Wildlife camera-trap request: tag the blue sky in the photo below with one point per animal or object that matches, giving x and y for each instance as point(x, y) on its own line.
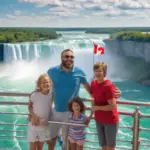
point(74, 13)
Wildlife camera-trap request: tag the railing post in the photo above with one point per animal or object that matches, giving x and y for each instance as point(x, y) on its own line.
point(136, 123)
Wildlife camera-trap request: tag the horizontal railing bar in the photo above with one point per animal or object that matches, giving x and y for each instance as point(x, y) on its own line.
point(12, 136)
point(12, 113)
point(13, 103)
point(145, 129)
point(55, 122)
point(91, 141)
point(144, 140)
point(12, 124)
point(133, 103)
point(26, 124)
point(118, 102)
point(91, 147)
point(96, 148)
point(144, 144)
point(13, 131)
point(127, 127)
point(144, 115)
point(126, 113)
point(14, 94)
point(124, 141)
point(120, 112)
point(26, 103)
point(67, 123)
point(121, 147)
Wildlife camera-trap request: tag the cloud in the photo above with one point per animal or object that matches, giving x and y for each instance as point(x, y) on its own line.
point(131, 4)
point(115, 13)
point(42, 3)
point(93, 6)
point(53, 13)
point(64, 14)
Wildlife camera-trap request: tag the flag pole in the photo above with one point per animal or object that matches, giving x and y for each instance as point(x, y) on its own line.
point(93, 55)
point(93, 61)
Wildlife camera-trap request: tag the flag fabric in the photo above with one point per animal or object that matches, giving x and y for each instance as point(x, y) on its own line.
point(98, 49)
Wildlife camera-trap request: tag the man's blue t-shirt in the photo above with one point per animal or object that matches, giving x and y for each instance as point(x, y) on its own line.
point(66, 85)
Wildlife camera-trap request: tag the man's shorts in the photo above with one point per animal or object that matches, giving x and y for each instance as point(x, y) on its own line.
point(54, 129)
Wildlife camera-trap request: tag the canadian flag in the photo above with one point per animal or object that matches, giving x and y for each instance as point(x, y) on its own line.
point(98, 49)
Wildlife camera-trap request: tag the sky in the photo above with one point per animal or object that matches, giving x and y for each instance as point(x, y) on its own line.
point(74, 13)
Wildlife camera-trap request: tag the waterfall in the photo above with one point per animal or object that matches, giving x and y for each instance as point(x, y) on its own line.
point(35, 51)
point(25, 51)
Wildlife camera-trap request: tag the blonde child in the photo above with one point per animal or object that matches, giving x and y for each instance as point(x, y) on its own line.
point(76, 134)
point(41, 99)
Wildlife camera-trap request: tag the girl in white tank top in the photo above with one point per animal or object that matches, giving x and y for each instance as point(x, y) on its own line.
point(41, 101)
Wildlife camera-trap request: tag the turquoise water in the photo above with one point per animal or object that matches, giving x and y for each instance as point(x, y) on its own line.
point(20, 75)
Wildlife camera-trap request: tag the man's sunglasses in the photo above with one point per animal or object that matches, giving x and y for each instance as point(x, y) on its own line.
point(67, 56)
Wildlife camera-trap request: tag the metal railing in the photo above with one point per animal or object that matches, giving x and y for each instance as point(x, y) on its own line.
point(136, 128)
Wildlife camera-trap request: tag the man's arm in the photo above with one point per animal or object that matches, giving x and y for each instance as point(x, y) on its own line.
point(87, 87)
point(117, 93)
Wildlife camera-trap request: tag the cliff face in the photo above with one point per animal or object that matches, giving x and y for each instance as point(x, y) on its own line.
point(130, 48)
point(137, 56)
point(1, 52)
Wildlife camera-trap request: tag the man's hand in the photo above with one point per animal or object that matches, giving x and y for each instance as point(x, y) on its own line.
point(117, 93)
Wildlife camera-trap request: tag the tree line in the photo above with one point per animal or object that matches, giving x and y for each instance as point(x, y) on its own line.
point(131, 36)
point(110, 30)
point(12, 35)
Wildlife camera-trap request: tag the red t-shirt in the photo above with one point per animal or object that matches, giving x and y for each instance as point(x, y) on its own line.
point(102, 92)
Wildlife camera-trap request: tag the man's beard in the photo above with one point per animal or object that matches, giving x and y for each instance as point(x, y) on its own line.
point(67, 64)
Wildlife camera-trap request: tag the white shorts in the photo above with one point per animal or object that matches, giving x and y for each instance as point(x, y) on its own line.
point(54, 129)
point(36, 133)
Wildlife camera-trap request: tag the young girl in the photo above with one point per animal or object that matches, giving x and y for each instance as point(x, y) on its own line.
point(41, 100)
point(104, 107)
point(76, 134)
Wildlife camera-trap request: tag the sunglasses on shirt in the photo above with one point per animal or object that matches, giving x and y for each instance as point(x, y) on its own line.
point(67, 56)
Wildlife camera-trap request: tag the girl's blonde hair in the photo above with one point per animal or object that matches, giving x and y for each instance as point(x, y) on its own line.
point(38, 82)
point(100, 65)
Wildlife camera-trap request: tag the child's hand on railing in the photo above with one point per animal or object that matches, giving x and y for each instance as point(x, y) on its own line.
point(88, 119)
point(44, 122)
point(95, 108)
point(35, 120)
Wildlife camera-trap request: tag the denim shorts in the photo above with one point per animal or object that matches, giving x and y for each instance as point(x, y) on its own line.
point(107, 134)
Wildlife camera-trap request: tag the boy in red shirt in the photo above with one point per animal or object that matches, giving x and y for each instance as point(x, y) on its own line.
point(104, 107)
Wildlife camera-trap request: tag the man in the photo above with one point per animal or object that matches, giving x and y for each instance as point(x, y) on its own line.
point(66, 79)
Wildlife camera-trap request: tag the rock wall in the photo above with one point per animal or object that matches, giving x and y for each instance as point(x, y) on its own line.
point(130, 48)
point(137, 56)
point(1, 52)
